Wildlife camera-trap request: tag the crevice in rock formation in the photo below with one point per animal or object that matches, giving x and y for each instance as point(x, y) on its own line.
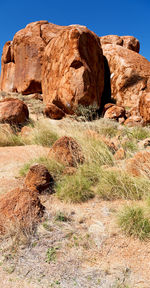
point(76, 64)
point(106, 96)
point(34, 87)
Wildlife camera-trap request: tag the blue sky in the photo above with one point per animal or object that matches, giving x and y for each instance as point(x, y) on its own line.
point(129, 17)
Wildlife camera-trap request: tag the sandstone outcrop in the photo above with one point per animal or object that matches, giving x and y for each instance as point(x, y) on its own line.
point(22, 57)
point(144, 107)
point(39, 179)
point(128, 42)
point(73, 69)
point(66, 63)
point(13, 111)
point(67, 151)
point(130, 74)
point(21, 206)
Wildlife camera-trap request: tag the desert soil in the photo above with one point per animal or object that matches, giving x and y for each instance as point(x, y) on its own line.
point(88, 250)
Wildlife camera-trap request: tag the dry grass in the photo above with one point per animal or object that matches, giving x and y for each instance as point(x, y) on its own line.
point(92, 178)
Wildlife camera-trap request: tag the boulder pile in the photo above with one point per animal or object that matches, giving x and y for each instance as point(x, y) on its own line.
point(71, 65)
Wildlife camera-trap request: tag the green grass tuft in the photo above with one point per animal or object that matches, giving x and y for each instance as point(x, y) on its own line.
point(75, 188)
point(134, 223)
point(120, 185)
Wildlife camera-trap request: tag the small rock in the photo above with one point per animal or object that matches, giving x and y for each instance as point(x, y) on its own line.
point(115, 112)
point(67, 151)
point(54, 112)
point(39, 179)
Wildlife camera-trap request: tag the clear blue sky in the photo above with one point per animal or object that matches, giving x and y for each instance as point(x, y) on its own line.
point(128, 17)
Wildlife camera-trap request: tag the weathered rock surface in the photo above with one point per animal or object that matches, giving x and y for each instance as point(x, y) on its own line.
point(67, 151)
point(115, 112)
point(133, 121)
point(22, 57)
point(13, 111)
point(128, 42)
point(131, 43)
point(65, 63)
point(39, 179)
point(54, 112)
point(130, 74)
point(144, 107)
point(73, 69)
point(20, 205)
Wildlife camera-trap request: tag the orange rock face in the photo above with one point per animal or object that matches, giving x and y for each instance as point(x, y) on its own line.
point(13, 111)
point(22, 58)
point(144, 107)
point(67, 151)
point(128, 42)
point(130, 74)
point(73, 69)
point(65, 63)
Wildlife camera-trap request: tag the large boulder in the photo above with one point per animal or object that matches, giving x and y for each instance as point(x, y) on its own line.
point(130, 74)
point(128, 42)
point(13, 111)
point(8, 69)
point(73, 69)
point(20, 206)
point(65, 63)
point(22, 57)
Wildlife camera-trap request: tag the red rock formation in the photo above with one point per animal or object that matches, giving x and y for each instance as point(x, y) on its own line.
point(13, 111)
point(73, 69)
point(144, 107)
point(128, 42)
point(130, 74)
point(131, 43)
point(8, 69)
point(72, 61)
point(22, 58)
